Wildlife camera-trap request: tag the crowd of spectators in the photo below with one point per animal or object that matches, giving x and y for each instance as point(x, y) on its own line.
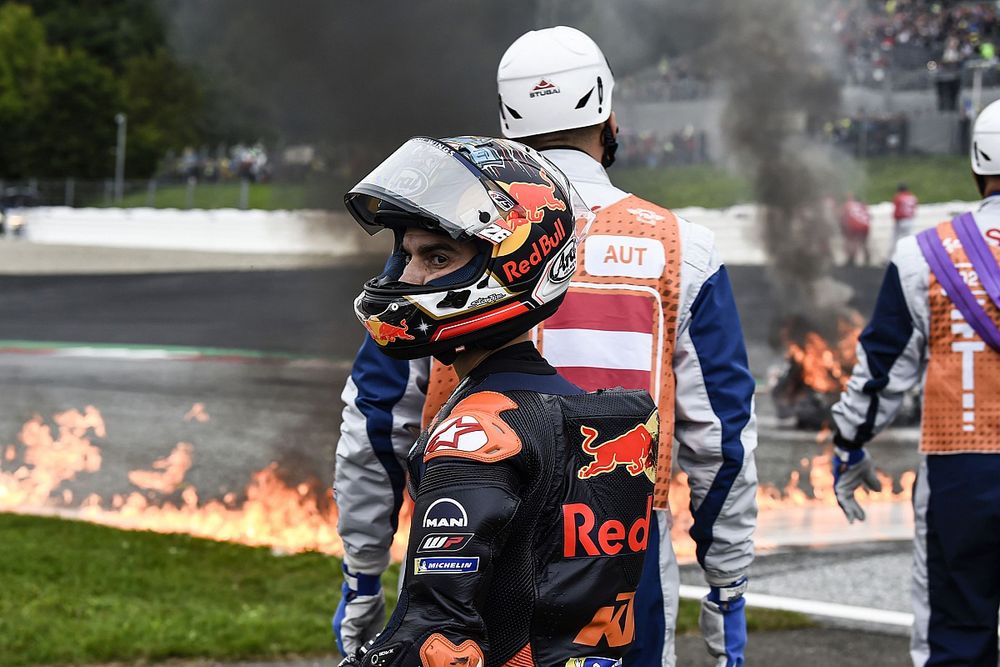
point(659, 149)
point(883, 38)
point(908, 41)
point(867, 135)
point(241, 161)
point(670, 79)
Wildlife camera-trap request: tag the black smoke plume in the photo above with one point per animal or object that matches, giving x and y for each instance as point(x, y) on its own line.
point(780, 66)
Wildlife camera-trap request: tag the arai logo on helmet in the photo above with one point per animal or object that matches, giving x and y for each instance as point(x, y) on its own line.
point(409, 182)
point(564, 265)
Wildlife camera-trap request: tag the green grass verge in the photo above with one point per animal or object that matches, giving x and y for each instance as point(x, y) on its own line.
point(267, 196)
point(933, 178)
point(76, 593)
point(758, 620)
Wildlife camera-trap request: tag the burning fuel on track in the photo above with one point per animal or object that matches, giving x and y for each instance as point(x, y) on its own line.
point(269, 511)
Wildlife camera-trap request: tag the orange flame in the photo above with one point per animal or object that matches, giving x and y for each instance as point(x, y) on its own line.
point(174, 468)
point(827, 368)
point(49, 460)
point(274, 513)
point(197, 413)
point(287, 518)
point(818, 470)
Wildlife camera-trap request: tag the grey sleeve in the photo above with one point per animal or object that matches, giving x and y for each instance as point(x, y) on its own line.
point(892, 351)
point(383, 400)
point(716, 427)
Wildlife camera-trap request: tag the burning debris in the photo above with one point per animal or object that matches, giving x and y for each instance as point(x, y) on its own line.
point(815, 370)
point(783, 87)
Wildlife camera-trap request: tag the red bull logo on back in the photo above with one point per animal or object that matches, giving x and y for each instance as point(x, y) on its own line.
point(632, 449)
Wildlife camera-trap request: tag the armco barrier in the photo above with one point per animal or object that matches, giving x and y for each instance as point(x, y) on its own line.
point(335, 234)
point(216, 230)
point(738, 238)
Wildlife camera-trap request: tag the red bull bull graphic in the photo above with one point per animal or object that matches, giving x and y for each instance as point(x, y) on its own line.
point(534, 199)
point(632, 449)
point(384, 333)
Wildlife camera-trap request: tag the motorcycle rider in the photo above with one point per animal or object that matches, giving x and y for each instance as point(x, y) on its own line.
point(937, 318)
point(532, 498)
point(650, 307)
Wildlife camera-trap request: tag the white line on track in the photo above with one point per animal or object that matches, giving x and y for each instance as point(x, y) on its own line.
point(813, 607)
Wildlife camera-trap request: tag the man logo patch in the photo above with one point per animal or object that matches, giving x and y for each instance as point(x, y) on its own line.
point(445, 565)
point(446, 513)
point(444, 542)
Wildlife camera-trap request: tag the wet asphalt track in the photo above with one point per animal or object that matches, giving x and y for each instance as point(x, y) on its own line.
point(298, 311)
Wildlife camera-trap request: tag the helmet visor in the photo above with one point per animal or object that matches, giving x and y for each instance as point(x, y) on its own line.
point(430, 179)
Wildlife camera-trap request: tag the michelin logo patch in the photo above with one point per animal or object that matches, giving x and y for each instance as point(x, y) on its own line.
point(444, 565)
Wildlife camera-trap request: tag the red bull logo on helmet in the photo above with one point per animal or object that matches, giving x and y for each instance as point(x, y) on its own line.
point(632, 449)
point(384, 333)
point(540, 250)
point(534, 199)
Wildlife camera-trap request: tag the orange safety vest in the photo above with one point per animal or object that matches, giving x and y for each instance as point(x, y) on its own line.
point(618, 323)
point(962, 392)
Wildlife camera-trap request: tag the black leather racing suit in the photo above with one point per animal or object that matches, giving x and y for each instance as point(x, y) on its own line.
point(531, 521)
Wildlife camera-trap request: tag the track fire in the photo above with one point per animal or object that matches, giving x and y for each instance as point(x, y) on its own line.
point(816, 369)
point(269, 511)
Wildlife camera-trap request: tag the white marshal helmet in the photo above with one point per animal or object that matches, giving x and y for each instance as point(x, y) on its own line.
point(551, 80)
point(985, 153)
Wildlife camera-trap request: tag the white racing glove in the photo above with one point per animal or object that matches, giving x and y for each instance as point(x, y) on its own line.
point(851, 469)
point(723, 623)
point(361, 612)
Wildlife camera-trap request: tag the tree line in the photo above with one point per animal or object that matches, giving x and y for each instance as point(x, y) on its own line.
point(68, 66)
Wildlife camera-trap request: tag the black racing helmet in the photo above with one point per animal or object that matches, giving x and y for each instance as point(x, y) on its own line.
point(513, 203)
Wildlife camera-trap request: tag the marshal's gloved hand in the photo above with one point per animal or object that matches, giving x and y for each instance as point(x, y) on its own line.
point(723, 623)
point(361, 612)
point(851, 469)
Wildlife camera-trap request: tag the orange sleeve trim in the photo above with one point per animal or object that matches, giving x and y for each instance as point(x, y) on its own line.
point(475, 431)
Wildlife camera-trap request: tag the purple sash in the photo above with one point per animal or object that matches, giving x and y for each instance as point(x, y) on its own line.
point(946, 272)
point(979, 254)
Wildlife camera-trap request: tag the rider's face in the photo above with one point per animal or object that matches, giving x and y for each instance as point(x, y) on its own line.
point(431, 255)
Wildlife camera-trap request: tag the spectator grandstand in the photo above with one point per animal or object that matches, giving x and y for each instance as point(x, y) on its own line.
point(905, 44)
point(907, 39)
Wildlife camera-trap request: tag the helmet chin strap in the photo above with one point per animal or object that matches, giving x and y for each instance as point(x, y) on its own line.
point(610, 144)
